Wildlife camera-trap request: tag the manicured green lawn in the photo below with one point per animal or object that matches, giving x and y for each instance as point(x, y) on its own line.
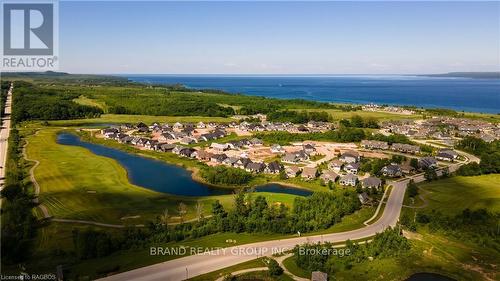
point(457, 193)
point(77, 184)
point(291, 266)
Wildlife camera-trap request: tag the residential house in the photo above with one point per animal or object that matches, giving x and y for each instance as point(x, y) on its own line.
point(292, 171)
point(329, 176)
point(255, 167)
point(187, 152)
point(427, 163)
point(363, 198)
point(350, 156)
point(276, 148)
point(165, 147)
point(335, 165)
point(256, 142)
point(219, 146)
point(407, 168)
point(273, 168)
point(290, 158)
point(177, 149)
point(109, 131)
point(352, 167)
point(447, 155)
point(218, 158)
point(178, 126)
point(309, 149)
point(201, 125)
point(373, 144)
point(405, 148)
point(302, 155)
point(309, 173)
point(230, 161)
point(392, 171)
point(349, 179)
point(242, 163)
point(371, 182)
point(187, 140)
point(203, 155)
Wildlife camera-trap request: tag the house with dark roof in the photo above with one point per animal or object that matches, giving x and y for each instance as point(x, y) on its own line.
point(242, 163)
point(273, 168)
point(218, 158)
point(427, 163)
point(363, 198)
point(447, 155)
point(290, 158)
point(352, 167)
point(392, 171)
point(255, 167)
point(350, 156)
point(371, 182)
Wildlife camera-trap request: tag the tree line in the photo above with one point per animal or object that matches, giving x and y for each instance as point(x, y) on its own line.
point(34, 103)
point(489, 153)
point(343, 134)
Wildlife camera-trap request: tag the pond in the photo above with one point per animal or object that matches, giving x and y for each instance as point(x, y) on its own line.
point(163, 177)
point(424, 276)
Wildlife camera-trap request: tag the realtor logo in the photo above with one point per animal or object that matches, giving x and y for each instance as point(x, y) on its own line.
point(29, 35)
point(28, 29)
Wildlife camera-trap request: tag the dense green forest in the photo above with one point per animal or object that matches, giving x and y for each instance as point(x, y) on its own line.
point(226, 175)
point(298, 117)
point(32, 102)
point(343, 134)
point(3, 95)
point(488, 152)
point(18, 223)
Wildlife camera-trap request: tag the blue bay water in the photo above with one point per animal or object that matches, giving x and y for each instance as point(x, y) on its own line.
point(461, 94)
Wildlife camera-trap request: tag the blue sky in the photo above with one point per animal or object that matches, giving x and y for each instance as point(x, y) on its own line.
point(279, 37)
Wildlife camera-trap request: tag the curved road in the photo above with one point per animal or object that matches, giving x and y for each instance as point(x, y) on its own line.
point(190, 266)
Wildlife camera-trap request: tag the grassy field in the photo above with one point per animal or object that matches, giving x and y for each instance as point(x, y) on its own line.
point(339, 114)
point(457, 193)
point(77, 184)
point(148, 119)
point(83, 100)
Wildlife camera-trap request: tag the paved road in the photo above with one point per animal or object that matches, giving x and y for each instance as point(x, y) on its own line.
point(4, 135)
point(190, 266)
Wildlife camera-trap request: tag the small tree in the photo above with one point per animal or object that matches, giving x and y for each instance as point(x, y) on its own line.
point(164, 217)
point(199, 210)
point(182, 210)
point(274, 268)
point(430, 174)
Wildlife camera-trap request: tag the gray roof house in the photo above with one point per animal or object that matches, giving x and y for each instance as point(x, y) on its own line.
point(273, 168)
point(350, 156)
point(447, 155)
point(427, 162)
point(328, 176)
point(255, 167)
point(349, 179)
point(392, 170)
point(371, 182)
point(352, 168)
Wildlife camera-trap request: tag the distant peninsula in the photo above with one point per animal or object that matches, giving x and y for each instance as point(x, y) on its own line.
point(479, 75)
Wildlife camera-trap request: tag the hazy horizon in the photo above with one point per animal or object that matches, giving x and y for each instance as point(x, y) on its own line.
point(245, 38)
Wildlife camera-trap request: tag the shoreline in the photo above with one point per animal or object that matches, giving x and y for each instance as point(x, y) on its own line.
point(194, 171)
